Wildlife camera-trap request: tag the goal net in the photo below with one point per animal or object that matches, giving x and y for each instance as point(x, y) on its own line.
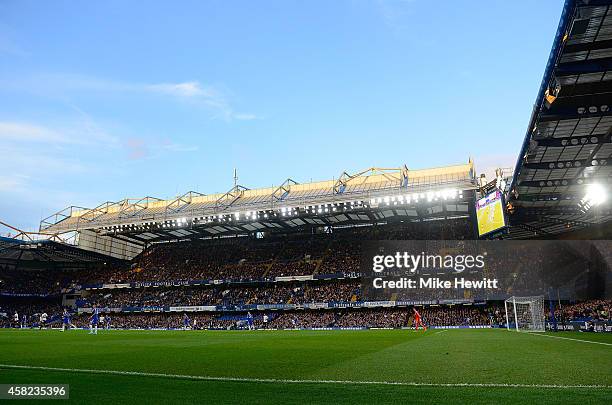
point(525, 313)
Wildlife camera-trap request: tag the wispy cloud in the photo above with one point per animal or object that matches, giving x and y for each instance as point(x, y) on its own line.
point(246, 117)
point(209, 97)
point(141, 148)
point(186, 89)
point(26, 170)
point(26, 132)
point(82, 132)
point(20, 139)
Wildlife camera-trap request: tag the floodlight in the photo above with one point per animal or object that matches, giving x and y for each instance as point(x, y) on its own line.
point(596, 194)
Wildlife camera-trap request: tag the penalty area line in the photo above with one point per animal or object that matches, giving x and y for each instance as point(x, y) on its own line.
point(291, 381)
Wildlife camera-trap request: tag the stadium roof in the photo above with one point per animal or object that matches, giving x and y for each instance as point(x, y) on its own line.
point(567, 152)
point(372, 195)
point(21, 253)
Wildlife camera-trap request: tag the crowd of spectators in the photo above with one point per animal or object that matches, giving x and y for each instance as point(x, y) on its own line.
point(238, 259)
point(592, 310)
point(333, 291)
point(32, 281)
point(232, 294)
point(381, 318)
point(374, 318)
point(307, 319)
point(251, 265)
point(456, 316)
point(342, 258)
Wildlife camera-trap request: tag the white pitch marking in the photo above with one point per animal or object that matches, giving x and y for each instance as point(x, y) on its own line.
point(576, 340)
point(283, 381)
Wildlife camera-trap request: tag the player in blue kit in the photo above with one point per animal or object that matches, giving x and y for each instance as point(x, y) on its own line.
point(250, 320)
point(186, 322)
point(66, 324)
point(93, 321)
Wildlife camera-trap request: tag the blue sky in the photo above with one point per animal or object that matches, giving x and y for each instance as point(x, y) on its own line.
point(105, 100)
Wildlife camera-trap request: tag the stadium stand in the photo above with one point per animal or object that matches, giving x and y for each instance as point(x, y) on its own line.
point(280, 273)
point(296, 280)
point(567, 148)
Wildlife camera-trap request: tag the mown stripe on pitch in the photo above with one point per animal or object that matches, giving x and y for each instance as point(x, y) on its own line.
point(290, 381)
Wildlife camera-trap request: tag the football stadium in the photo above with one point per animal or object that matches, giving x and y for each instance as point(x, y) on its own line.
point(382, 285)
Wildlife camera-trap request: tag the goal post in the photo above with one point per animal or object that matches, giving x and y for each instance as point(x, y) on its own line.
point(525, 313)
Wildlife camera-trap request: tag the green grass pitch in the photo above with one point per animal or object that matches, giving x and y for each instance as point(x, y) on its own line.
point(239, 358)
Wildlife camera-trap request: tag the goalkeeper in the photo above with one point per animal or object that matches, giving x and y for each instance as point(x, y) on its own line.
point(417, 320)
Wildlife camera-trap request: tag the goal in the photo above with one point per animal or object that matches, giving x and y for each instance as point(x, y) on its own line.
point(525, 313)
